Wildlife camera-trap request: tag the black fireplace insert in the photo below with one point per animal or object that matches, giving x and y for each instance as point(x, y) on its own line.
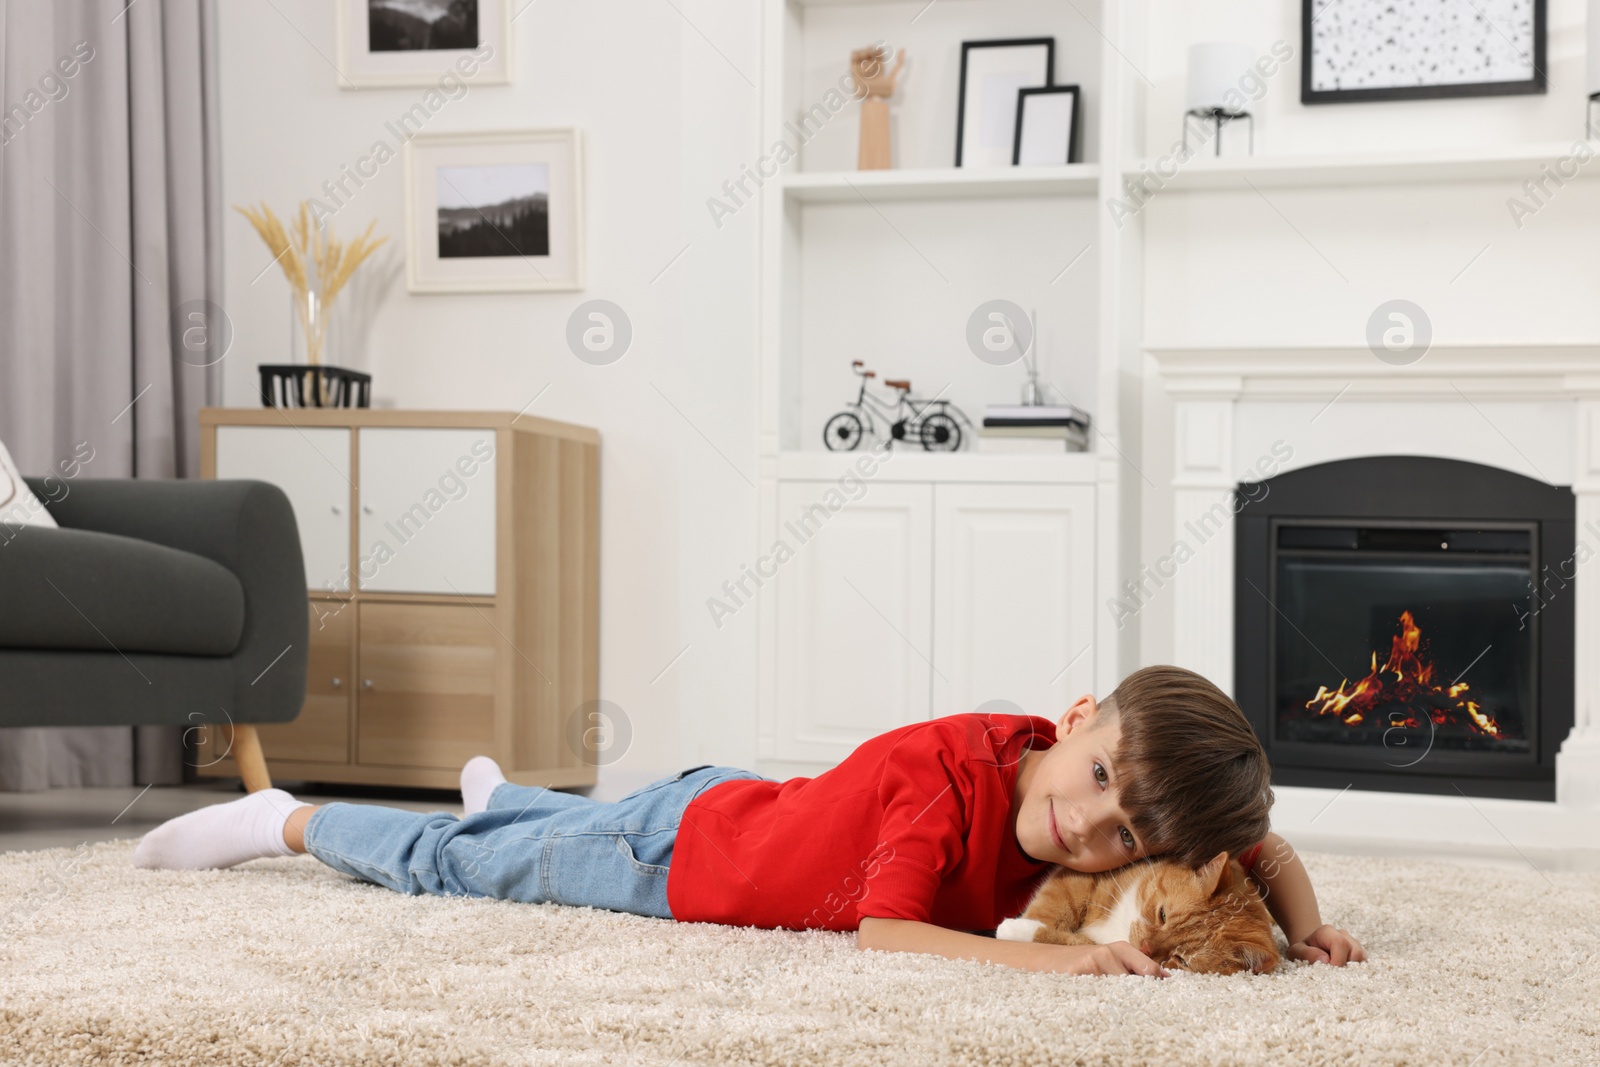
point(1405, 623)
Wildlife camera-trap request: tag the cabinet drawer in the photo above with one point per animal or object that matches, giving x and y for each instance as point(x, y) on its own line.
point(427, 521)
point(322, 732)
point(311, 465)
point(427, 692)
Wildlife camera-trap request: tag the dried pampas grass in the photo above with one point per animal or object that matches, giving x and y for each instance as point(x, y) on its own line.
point(316, 264)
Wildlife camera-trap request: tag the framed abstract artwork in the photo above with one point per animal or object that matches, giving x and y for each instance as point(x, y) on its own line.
point(1355, 50)
point(494, 212)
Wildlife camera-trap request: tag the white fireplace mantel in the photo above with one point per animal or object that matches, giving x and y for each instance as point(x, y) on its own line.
point(1245, 413)
point(1527, 372)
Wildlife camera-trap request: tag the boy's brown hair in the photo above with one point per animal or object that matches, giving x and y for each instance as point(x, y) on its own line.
point(1194, 779)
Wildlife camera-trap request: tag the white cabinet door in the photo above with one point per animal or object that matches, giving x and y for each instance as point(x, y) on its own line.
point(427, 511)
point(1013, 615)
point(312, 466)
point(853, 603)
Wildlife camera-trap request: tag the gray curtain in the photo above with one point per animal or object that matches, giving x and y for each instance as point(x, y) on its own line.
point(110, 242)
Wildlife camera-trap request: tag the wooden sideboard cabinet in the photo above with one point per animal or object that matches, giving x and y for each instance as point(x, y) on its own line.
point(453, 567)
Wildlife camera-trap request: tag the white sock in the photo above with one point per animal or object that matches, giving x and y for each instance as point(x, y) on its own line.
point(221, 835)
point(478, 779)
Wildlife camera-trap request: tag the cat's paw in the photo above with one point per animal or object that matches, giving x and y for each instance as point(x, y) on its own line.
point(1018, 929)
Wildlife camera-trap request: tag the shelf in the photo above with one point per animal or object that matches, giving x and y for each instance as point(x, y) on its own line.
point(942, 183)
point(916, 465)
point(1517, 163)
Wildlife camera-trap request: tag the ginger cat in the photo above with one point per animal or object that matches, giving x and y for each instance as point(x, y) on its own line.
point(1210, 921)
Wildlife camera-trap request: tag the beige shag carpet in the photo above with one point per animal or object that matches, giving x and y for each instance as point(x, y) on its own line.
point(285, 961)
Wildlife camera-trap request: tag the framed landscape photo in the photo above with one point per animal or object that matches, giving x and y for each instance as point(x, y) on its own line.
point(494, 212)
point(417, 42)
point(1047, 126)
point(1355, 50)
point(991, 74)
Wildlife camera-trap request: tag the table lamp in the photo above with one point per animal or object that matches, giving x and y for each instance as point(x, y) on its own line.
point(1215, 71)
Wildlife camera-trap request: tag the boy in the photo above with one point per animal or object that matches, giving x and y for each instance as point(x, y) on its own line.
point(920, 836)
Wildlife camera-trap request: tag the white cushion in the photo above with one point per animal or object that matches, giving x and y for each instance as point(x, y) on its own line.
point(18, 505)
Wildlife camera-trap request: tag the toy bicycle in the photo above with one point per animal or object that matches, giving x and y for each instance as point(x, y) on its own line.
point(935, 423)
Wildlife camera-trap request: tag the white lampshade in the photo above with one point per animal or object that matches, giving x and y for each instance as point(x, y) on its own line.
point(1593, 81)
point(1215, 70)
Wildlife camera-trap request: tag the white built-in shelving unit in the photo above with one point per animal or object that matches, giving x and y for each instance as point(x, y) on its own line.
point(937, 583)
point(939, 586)
point(944, 580)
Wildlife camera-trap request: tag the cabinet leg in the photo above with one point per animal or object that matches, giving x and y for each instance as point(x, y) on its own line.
point(247, 756)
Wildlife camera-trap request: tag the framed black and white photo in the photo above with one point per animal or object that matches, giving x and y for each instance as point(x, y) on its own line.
point(418, 42)
point(494, 212)
point(1047, 126)
point(991, 74)
point(1355, 50)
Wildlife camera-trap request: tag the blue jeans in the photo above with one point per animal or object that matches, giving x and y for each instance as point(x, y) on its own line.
point(531, 844)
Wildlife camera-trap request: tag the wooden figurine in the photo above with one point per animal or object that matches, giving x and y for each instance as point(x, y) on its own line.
point(874, 86)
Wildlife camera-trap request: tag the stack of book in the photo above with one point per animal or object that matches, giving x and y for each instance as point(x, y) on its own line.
point(1050, 428)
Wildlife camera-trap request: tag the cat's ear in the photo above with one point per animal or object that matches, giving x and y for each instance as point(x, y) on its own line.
point(1210, 875)
point(1260, 960)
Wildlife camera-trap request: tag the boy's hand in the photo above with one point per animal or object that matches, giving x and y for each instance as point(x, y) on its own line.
point(907, 935)
point(1328, 944)
point(1119, 957)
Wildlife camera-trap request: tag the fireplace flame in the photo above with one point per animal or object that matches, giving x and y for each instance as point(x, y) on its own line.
point(1404, 684)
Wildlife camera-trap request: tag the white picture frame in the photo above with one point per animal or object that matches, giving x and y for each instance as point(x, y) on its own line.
point(991, 74)
point(471, 209)
point(362, 67)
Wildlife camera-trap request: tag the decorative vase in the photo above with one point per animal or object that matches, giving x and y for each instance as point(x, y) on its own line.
point(308, 327)
point(317, 266)
point(308, 380)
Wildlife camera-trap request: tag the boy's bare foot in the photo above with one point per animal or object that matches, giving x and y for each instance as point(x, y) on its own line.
point(478, 779)
point(221, 835)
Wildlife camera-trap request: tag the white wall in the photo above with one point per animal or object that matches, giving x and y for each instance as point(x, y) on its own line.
point(665, 95)
point(1307, 267)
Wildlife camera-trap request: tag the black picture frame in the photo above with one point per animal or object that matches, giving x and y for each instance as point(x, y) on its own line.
point(1049, 44)
point(1536, 84)
point(1023, 96)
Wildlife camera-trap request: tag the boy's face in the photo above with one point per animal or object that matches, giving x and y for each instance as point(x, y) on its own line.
point(1067, 805)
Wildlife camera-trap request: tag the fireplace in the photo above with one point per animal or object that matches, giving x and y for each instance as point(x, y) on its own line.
point(1405, 623)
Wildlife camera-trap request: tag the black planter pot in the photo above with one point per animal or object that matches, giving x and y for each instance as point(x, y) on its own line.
point(297, 385)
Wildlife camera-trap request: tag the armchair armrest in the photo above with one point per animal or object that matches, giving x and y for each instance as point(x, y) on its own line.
point(246, 526)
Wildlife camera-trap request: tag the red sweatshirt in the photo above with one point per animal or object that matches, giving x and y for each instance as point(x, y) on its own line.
point(914, 824)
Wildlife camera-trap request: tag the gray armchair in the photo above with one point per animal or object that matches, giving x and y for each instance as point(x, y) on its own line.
point(156, 603)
